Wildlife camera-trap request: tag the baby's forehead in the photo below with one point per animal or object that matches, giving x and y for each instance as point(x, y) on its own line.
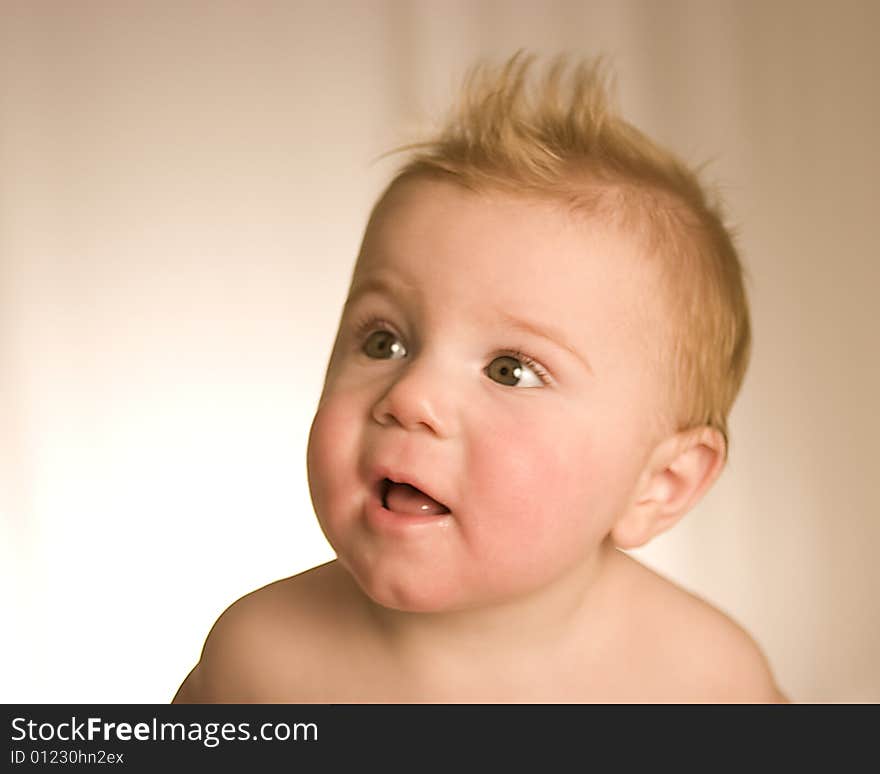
point(505, 252)
point(647, 225)
point(539, 234)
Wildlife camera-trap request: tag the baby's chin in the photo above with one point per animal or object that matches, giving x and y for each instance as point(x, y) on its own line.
point(405, 590)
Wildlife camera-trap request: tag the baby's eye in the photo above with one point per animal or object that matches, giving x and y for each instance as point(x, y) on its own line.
point(513, 372)
point(384, 345)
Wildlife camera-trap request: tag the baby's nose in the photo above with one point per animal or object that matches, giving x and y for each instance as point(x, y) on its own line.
point(418, 399)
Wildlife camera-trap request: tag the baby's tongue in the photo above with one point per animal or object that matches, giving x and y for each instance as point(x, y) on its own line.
point(403, 498)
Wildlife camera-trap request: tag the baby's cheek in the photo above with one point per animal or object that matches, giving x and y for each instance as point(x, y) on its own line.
point(537, 481)
point(331, 455)
point(528, 522)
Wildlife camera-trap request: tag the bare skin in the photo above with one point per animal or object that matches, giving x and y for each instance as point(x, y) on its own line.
point(635, 637)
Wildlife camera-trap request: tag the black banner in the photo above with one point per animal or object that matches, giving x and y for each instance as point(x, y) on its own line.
point(286, 737)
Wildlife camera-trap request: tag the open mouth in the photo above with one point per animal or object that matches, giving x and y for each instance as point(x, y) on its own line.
point(406, 499)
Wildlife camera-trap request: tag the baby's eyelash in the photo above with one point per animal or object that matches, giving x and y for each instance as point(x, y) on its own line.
point(370, 324)
point(530, 362)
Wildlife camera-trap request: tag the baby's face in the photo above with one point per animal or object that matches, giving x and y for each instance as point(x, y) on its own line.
point(494, 355)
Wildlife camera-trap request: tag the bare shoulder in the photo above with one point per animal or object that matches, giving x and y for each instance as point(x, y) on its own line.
point(702, 653)
point(257, 647)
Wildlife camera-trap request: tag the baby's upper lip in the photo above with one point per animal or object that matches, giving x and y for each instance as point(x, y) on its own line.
point(383, 473)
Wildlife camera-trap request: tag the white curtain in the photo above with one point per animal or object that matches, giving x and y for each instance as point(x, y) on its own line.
point(182, 192)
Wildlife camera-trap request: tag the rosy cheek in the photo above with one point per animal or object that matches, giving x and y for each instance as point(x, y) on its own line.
point(320, 450)
point(331, 455)
point(536, 484)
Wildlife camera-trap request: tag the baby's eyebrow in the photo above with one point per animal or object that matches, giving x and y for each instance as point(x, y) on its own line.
point(385, 286)
point(547, 332)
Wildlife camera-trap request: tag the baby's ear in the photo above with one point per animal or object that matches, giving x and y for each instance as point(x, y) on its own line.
point(678, 472)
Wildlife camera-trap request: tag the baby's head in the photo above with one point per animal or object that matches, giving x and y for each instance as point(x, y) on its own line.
point(545, 332)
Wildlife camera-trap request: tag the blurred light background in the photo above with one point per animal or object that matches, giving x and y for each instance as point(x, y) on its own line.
point(183, 187)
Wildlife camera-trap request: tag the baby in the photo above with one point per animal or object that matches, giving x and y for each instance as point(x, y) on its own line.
point(545, 332)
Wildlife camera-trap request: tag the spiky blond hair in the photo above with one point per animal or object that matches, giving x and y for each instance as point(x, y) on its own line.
point(559, 135)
